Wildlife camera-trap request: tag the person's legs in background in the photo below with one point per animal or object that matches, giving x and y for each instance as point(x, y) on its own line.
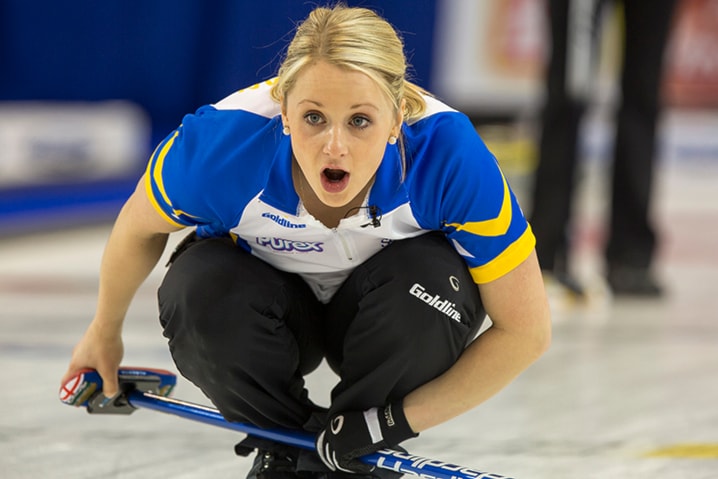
point(555, 176)
point(632, 238)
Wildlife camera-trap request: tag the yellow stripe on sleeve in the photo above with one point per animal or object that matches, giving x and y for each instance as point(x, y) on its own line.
point(155, 172)
point(494, 227)
point(511, 257)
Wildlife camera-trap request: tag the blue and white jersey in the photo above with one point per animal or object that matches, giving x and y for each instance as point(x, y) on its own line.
point(228, 171)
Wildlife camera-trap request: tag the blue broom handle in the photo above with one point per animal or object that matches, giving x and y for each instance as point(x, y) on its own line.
point(386, 458)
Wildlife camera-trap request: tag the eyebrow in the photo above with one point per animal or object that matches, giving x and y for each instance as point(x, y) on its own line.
point(353, 107)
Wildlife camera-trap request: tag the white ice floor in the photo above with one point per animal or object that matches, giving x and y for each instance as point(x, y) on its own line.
point(629, 389)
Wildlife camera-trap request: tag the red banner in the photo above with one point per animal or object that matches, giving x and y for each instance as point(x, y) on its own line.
point(691, 76)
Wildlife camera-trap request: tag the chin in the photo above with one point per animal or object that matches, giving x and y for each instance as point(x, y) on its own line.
point(335, 203)
point(336, 200)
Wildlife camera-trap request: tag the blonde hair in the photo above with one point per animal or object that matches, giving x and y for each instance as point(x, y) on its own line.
point(355, 38)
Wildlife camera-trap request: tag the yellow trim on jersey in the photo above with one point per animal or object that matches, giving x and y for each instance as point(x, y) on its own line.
point(156, 174)
point(494, 227)
point(511, 257)
point(155, 204)
point(256, 86)
point(157, 170)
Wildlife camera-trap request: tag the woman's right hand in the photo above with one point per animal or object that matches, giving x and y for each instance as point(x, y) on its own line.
point(101, 349)
point(136, 243)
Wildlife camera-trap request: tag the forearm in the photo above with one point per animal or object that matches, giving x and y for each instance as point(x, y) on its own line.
point(130, 255)
point(490, 363)
point(126, 264)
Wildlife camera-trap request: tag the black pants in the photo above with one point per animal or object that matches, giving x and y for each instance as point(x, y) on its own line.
point(632, 239)
point(246, 333)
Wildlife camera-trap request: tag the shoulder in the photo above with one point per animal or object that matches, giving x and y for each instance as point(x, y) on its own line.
point(243, 126)
point(450, 171)
point(255, 99)
point(240, 114)
point(457, 186)
point(445, 139)
point(218, 158)
point(443, 129)
point(433, 107)
point(222, 144)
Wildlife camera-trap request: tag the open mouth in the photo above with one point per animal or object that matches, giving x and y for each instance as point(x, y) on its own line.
point(334, 180)
point(334, 176)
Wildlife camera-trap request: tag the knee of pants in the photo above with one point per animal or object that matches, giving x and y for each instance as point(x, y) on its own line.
point(416, 295)
point(216, 296)
point(423, 276)
point(195, 278)
point(210, 282)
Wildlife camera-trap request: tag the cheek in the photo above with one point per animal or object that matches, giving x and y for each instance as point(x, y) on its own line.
point(370, 159)
point(302, 147)
point(306, 137)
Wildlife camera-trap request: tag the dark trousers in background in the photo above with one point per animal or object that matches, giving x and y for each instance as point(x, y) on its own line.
point(246, 333)
point(631, 238)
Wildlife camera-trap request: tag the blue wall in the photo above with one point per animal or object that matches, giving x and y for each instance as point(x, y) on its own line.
point(168, 56)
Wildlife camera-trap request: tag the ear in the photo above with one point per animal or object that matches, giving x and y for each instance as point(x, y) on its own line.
point(399, 118)
point(400, 115)
point(285, 120)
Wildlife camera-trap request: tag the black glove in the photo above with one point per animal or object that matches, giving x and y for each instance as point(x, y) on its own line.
point(351, 435)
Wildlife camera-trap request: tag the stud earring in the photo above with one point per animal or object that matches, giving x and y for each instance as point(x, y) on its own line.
point(285, 130)
point(392, 140)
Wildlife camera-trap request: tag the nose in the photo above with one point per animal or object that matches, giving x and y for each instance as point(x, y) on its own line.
point(335, 145)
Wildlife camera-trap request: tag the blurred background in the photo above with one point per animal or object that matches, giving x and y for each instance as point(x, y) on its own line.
point(87, 89)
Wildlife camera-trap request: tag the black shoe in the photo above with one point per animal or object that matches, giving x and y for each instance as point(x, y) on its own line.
point(273, 461)
point(637, 282)
point(274, 465)
point(563, 292)
point(572, 286)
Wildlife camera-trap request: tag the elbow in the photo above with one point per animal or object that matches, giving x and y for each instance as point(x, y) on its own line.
point(543, 342)
point(532, 338)
point(535, 335)
point(536, 344)
point(541, 336)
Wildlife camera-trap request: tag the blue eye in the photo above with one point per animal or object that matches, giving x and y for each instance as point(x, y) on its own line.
point(360, 122)
point(313, 118)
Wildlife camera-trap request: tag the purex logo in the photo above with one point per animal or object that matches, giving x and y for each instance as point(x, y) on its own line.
point(285, 245)
point(282, 221)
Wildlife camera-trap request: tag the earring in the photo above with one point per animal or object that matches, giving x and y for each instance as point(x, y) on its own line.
point(285, 130)
point(392, 140)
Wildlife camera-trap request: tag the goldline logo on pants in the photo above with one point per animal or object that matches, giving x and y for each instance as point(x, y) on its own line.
point(443, 305)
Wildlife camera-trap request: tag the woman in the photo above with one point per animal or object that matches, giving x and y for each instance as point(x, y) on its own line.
point(340, 213)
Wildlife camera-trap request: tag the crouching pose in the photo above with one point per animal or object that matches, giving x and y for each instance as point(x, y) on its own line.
point(339, 212)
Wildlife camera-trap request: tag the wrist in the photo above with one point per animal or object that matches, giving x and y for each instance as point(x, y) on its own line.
point(106, 329)
point(395, 427)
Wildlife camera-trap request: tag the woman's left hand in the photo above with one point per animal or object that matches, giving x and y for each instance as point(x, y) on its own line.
point(351, 435)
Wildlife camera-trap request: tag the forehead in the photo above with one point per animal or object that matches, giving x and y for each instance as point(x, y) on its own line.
point(326, 84)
